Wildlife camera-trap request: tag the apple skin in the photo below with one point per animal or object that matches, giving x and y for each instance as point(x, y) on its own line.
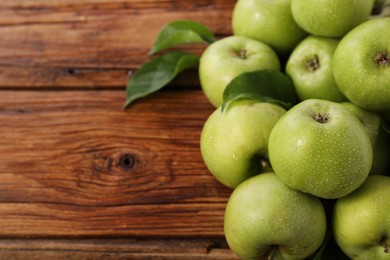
point(361, 222)
point(268, 21)
point(320, 147)
point(370, 120)
point(228, 57)
point(310, 68)
point(330, 18)
point(264, 218)
point(379, 139)
point(233, 142)
point(361, 65)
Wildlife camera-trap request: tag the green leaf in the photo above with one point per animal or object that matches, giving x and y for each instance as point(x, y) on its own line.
point(180, 32)
point(263, 85)
point(157, 73)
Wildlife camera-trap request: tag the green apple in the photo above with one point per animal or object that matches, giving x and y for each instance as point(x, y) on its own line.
point(361, 65)
point(228, 57)
point(361, 220)
point(268, 21)
point(320, 147)
point(234, 142)
point(379, 139)
point(310, 68)
point(330, 18)
point(370, 120)
point(266, 219)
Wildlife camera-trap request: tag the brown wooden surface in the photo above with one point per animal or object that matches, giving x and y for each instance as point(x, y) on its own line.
point(93, 43)
point(79, 177)
point(178, 248)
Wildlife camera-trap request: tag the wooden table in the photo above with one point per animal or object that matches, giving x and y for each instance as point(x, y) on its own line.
point(79, 177)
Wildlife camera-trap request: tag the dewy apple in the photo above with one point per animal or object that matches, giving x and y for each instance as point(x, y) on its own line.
point(330, 18)
point(361, 65)
point(234, 142)
point(310, 68)
point(320, 147)
point(361, 221)
point(267, 21)
point(265, 219)
point(226, 58)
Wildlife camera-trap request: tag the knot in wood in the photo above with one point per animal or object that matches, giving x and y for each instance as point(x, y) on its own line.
point(127, 161)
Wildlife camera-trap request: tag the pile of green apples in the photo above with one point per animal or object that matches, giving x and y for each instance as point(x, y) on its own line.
point(319, 170)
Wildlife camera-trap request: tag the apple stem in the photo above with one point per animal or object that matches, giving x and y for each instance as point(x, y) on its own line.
point(265, 165)
point(385, 245)
point(243, 53)
point(313, 64)
point(271, 255)
point(322, 119)
point(382, 59)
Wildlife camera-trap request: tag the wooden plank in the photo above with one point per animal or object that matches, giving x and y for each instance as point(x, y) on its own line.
point(91, 44)
point(75, 163)
point(184, 248)
point(81, 78)
point(42, 5)
point(30, 77)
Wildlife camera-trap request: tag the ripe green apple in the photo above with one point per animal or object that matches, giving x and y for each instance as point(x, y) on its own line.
point(320, 147)
point(361, 65)
point(268, 21)
point(361, 220)
point(228, 57)
point(379, 139)
point(234, 142)
point(310, 68)
point(370, 120)
point(266, 219)
point(330, 18)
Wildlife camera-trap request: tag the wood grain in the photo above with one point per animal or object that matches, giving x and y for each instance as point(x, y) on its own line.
point(91, 44)
point(80, 79)
point(58, 249)
point(79, 177)
point(74, 162)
